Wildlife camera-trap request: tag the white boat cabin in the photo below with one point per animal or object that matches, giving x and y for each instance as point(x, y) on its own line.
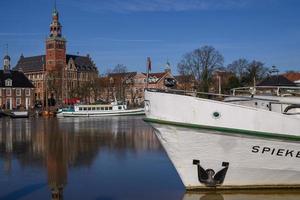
point(97, 108)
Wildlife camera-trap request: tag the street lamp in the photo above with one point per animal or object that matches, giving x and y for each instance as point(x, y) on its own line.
point(218, 73)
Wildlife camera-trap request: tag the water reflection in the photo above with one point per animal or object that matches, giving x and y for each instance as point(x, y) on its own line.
point(112, 158)
point(244, 195)
point(58, 145)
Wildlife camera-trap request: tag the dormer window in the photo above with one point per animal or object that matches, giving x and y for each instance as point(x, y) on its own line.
point(8, 82)
point(153, 79)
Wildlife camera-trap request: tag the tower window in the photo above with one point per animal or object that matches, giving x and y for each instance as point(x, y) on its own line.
point(50, 46)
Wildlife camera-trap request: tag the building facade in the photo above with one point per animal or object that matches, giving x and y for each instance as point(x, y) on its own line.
point(130, 86)
point(57, 75)
point(16, 91)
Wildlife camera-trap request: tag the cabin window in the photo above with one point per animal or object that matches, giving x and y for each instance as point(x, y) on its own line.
point(89, 108)
point(110, 108)
point(93, 108)
point(106, 108)
point(84, 108)
point(102, 108)
point(120, 107)
point(80, 108)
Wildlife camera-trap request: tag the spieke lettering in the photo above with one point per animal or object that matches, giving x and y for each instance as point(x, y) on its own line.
point(279, 152)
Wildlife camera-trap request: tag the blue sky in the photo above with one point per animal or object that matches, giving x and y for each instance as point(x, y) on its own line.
point(128, 31)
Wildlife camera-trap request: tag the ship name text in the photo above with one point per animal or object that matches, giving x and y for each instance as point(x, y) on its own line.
point(276, 151)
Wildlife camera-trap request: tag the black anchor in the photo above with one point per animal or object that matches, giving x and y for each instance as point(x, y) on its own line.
point(209, 177)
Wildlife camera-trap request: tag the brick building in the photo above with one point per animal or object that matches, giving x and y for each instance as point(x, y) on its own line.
point(133, 84)
point(186, 82)
point(16, 91)
point(56, 74)
point(135, 93)
point(130, 86)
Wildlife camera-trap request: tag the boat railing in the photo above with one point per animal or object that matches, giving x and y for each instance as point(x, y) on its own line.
point(221, 97)
point(277, 90)
point(208, 95)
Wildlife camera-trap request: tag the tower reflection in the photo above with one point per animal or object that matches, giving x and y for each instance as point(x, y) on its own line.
point(58, 145)
point(56, 158)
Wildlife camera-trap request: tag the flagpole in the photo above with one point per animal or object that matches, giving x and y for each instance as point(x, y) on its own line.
point(148, 69)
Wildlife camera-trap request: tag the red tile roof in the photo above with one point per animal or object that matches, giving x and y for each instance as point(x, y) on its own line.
point(292, 76)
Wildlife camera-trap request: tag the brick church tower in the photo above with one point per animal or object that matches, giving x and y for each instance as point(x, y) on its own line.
point(57, 76)
point(55, 61)
point(55, 45)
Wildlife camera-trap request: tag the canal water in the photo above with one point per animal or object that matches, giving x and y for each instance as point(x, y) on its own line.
point(94, 158)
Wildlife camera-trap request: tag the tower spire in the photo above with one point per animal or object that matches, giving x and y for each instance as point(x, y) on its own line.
point(55, 27)
point(6, 60)
point(55, 5)
point(6, 49)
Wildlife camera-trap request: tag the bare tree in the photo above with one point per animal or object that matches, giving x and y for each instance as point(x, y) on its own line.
point(104, 88)
point(119, 68)
point(54, 87)
point(118, 75)
point(201, 63)
point(238, 67)
point(255, 72)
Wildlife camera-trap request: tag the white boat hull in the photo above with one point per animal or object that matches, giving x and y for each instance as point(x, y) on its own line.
point(253, 162)
point(258, 148)
point(19, 114)
point(101, 114)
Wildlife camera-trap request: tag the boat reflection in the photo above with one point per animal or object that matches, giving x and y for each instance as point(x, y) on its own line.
point(56, 145)
point(244, 195)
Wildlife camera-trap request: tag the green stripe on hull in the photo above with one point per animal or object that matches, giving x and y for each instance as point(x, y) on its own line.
point(227, 130)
